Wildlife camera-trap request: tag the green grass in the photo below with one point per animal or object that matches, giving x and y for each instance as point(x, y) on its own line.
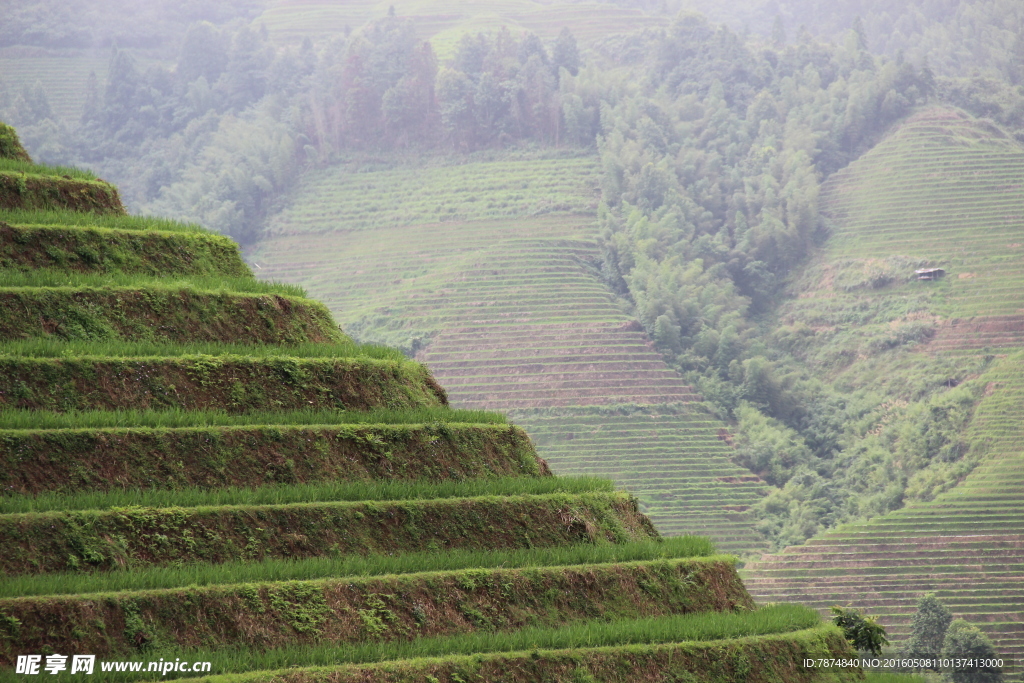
point(773, 619)
point(15, 166)
point(50, 348)
point(44, 277)
point(155, 578)
point(304, 493)
point(120, 419)
point(74, 218)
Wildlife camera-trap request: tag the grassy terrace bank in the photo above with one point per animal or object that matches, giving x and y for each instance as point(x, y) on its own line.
point(390, 488)
point(32, 420)
point(136, 460)
point(689, 639)
point(23, 190)
point(561, 653)
point(235, 383)
point(137, 536)
point(352, 609)
point(179, 313)
point(104, 250)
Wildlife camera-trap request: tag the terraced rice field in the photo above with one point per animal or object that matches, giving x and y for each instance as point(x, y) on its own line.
point(443, 25)
point(63, 74)
point(510, 313)
point(674, 460)
point(957, 204)
point(343, 198)
point(967, 545)
point(365, 534)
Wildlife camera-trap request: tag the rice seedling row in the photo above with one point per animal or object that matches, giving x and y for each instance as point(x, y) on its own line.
point(320, 491)
point(374, 564)
point(41, 277)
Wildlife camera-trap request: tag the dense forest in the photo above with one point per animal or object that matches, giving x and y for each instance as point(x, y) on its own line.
point(714, 143)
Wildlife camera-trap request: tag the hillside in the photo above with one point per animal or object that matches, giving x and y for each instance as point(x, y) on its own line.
point(362, 529)
point(63, 74)
point(444, 24)
point(488, 272)
point(955, 204)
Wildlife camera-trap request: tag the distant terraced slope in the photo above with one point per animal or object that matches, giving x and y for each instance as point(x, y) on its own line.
point(967, 545)
point(488, 272)
point(943, 190)
point(63, 73)
point(443, 24)
point(671, 456)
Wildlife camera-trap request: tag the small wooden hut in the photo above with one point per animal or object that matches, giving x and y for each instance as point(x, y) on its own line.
point(929, 273)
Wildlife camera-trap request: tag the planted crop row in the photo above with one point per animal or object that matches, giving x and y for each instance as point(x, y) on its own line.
point(54, 348)
point(64, 278)
point(134, 537)
point(356, 609)
point(14, 419)
point(768, 658)
point(27, 167)
point(63, 218)
point(345, 487)
point(373, 564)
point(235, 383)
